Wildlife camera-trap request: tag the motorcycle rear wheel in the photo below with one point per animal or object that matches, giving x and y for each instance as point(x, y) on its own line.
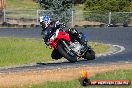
point(63, 52)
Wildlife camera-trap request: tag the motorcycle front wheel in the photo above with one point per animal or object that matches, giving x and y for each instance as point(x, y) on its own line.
point(89, 55)
point(66, 54)
point(56, 54)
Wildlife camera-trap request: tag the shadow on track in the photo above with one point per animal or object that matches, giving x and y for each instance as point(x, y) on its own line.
point(44, 66)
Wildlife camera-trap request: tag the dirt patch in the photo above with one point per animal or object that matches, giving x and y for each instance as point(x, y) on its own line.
point(19, 79)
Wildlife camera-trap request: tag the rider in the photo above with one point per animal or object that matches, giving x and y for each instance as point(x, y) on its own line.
point(49, 27)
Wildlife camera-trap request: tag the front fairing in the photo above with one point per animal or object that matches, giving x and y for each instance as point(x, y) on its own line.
point(59, 35)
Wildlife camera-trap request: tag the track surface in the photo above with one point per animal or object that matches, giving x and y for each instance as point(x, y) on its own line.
point(117, 36)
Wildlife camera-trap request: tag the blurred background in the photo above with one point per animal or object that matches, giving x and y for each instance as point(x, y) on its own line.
point(75, 13)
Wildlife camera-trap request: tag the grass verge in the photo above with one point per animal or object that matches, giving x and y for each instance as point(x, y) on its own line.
point(99, 47)
point(17, 9)
point(118, 74)
point(21, 4)
point(23, 51)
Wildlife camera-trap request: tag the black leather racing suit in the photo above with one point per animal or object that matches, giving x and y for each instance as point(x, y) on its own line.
point(48, 31)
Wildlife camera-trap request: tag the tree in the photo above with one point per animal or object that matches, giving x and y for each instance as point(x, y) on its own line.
point(59, 9)
point(107, 5)
point(79, 1)
point(100, 9)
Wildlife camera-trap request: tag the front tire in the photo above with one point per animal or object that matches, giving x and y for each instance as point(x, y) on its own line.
point(89, 55)
point(63, 52)
point(56, 54)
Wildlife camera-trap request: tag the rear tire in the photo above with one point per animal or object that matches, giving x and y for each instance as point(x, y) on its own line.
point(64, 53)
point(89, 55)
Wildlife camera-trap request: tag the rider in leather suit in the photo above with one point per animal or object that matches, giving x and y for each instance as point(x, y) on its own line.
point(49, 27)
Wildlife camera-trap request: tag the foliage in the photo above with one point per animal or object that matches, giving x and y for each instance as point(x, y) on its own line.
point(120, 17)
point(96, 16)
point(79, 1)
point(55, 4)
point(108, 5)
point(116, 17)
point(59, 9)
point(101, 8)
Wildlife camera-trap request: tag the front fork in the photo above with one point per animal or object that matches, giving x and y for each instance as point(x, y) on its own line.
point(65, 44)
point(68, 50)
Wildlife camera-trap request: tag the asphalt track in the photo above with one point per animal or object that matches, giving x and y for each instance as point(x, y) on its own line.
point(116, 36)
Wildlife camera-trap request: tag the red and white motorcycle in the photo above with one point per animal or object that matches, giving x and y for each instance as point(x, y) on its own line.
point(70, 45)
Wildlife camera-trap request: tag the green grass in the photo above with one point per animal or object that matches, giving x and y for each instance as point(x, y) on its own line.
point(28, 50)
point(119, 74)
point(98, 47)
point(21, 4)
point(22, 51)
point(21, 9)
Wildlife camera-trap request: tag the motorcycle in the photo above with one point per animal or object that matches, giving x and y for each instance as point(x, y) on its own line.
point(70, 45)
